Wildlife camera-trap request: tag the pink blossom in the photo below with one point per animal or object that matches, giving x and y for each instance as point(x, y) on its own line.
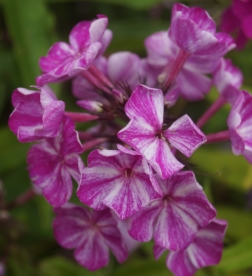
point(87, 39)
point(53, 161)
point(91, 233)
point(194, 31)
point(205, 250)
point(144, 132)
point(37, 114)
point(191, 79)
point(228, 79)
point(174, 219)
point(118, 180)
point(240, 126)
point(238, 18)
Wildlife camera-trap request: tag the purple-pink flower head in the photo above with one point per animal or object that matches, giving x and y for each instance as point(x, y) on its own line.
point(87, 39)
point(117, 180)
point(53, 161)
point(194, 32)
point(91, 233)
point(240, 126)
point(238, 19)
point(191, 78)
point(174, 219)
point(145, 133)
point(37, 114)
point(205, 250)
point(228, 79)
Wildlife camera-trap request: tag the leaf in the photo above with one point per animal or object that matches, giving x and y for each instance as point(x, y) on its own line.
point(13, 153)
point(59, 266)
point(220, 164)
point(237, 257)
point(30, 27)
point(234, 215)
point(139, 4)
point(143, 267)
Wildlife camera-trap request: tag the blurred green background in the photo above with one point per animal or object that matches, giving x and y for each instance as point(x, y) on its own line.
point(27, 30)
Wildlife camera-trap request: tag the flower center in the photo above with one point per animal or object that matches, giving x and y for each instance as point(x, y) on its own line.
point(128, 172)
point(159, 135)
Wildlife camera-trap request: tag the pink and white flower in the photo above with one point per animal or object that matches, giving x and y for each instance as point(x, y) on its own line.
point(144, 132)
point(194, 32)
point(37, 114)
point(174, 219)
point(91, 233)
point(191, 79)
point(88, 39)
point(238, 19)
point(228, 79)
point(53, 161)
point(118, 180)
point(240, 126)
point(205, 250)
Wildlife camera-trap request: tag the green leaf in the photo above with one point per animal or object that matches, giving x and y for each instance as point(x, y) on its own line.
point(220, 164)
point(143, 267)
point(139, 4)
point(30, 27)
point(239, 221)
point(237, 257)
point(59, 266)
point(13, 153)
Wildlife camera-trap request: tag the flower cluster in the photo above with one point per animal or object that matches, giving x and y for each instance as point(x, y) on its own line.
point(238, 19)
point(136, 182)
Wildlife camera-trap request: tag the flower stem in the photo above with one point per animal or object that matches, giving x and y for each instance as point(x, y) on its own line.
point(211, 111)
point(218, 137)
point(91, 144)
point(81, 117)
point(173, 70)
point(21, 199)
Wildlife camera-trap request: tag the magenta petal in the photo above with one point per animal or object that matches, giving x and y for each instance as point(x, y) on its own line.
point(69, 224)
point(59, 52)
point(180, 264)
point(91, 233)
point(188, 36)
point(158, 251)
point(247, 26)
point(150, 111)
point(197, 15)
point(184, 209)
point(142, 223)
point(205, 250)
point(93, 253)
point(118, 68)
point(185, 136)
point(79, 36)
point(193, 85)
point(229, 21)
point(97, 29)
point(117, 180)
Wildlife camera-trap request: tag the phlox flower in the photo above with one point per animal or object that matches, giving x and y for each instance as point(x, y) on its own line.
point(205, 250)
point(118, 180)
point(174, 219)
point(91, 233)
point(144, 132)
point(240, 126)
point(37, 114)
point(194, 32)
point(191, 79)
point(228, 79)
point(238, 18)
point(53, 161)
point(87, 40)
